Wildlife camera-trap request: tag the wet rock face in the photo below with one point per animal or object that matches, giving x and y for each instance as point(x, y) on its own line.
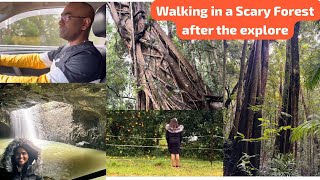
point(49, 121)
point(56, 119)
point(87, 127)
point(4, 124)
point(60, 122)
point(83, 110)
point(4, 130)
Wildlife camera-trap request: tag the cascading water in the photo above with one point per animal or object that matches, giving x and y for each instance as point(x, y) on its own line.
point(64, 161)
point(51, 122)
point(22, 125)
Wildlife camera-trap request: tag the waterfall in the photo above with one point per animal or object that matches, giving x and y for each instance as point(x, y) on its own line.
point(22, 125)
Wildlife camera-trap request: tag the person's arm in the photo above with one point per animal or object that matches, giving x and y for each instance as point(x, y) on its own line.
point(34, 61)
point(181, 137)
point(80, 68)
point(24, 79)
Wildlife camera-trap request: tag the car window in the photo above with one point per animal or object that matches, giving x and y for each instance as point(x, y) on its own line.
point(36, 28)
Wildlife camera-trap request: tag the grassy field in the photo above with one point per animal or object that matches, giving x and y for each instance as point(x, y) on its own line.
point(156, 166)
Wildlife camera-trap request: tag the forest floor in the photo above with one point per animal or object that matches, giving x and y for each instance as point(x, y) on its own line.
point(160, 166)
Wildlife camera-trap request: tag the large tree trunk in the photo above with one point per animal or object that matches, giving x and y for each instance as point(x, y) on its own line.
point(239, 93)
point(224, 70)
point(290, 98)
point(264, 66)
point(295, 80)
point(216, 68)
point(165, 79)
point(282, 144)
point(249, 124)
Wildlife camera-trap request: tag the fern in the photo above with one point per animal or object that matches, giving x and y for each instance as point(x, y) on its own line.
point(282, 165)
point(308, 128)
point(245, 165)
point(313, 76)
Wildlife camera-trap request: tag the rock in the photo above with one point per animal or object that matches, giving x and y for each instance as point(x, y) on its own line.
point(56, 119)
point(4, 130)
point(67, 114)
point(83, 144)
point(60, 122)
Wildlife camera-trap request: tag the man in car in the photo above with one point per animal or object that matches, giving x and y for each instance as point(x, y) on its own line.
point(78, 61)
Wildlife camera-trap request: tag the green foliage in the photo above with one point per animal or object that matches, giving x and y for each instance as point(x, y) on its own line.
point(131, 127)
point(310, 54)
point(121, 83)
point(240, 135)
point(255, 108)
point(245, 165)
point(27, 27)
point(270, 130)
point(282, 165)
point(81, 96)
point(313, 76)
point(308, 128)
point(37, 30)
point(160, 166)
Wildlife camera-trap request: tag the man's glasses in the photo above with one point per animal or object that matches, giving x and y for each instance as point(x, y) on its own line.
point(66, 18)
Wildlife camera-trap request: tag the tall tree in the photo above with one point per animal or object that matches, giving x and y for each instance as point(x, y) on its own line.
point(290, 98)
point(165, 79)
point(245, 148)
point(239, 93)
point(224, 70)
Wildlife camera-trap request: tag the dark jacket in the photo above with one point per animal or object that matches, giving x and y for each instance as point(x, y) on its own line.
point(174, 139)
point(30, 171)
point(76, 64)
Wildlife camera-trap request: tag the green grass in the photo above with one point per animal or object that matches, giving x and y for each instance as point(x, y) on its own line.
point(160, 166)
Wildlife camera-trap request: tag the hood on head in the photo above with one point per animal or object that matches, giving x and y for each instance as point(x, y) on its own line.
point(175, 130)
point(33, 152)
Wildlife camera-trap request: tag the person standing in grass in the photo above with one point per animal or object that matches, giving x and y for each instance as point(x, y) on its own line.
point(174, 139)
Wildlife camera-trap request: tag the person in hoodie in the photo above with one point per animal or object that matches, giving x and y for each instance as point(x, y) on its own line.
point(174, 139)
point(21, 161)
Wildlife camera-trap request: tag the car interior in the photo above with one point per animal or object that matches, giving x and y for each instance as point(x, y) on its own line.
point(99, 30)
point(10, 9)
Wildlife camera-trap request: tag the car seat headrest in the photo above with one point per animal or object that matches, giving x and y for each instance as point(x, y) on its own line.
point(99, 23)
